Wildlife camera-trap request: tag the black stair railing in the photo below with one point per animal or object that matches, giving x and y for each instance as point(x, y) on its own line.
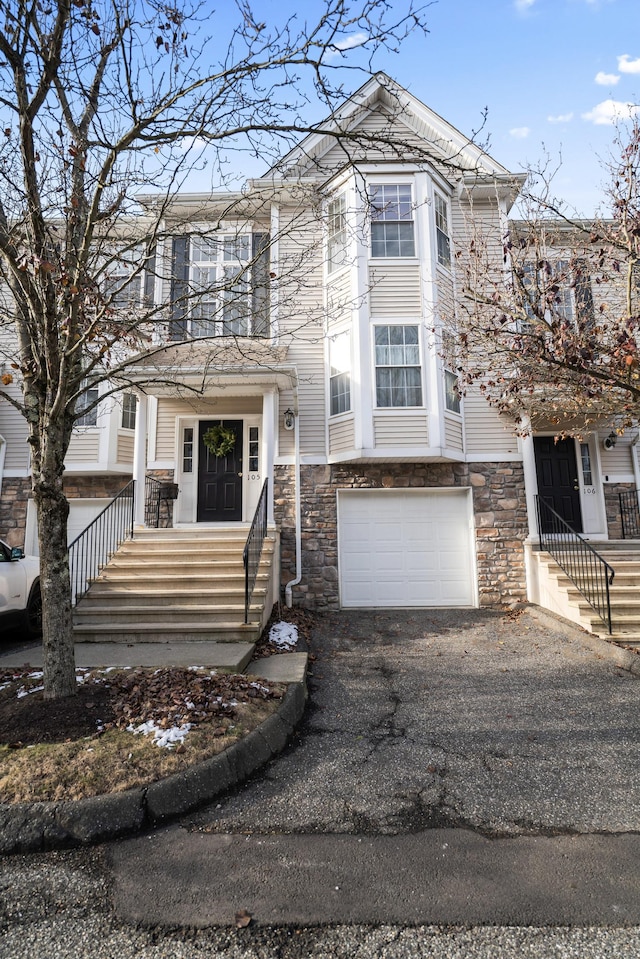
point(253, 548)
point(588, 571)
point(156, 494)
point(95, 546)
point(630, 513)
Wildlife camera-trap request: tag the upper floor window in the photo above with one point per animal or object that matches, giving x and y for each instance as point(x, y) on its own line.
point(87, 405)
point(129, 278)
point(555, 288)
point(340, 374)
point(336, 233)
point(398, 370)
point(443, 242)
point(220, 285)
point(221, 304)
point(392, 232)
point(129, 403)
point(451, 383)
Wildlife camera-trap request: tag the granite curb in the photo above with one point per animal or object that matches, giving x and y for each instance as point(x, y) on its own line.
point(601, 645)
point(34, 827)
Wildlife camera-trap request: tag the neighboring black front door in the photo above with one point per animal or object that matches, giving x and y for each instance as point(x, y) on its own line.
point(220, 478)
point(558, 481)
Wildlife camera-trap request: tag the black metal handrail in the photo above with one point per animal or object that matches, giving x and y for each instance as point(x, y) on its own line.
point(630, 513)
point(586, 569)
point(157, 492)
point(95, 546)
point(253, 548)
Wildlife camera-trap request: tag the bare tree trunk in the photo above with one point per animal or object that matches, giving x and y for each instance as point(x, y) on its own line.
point(49, 446)
point(57, 635)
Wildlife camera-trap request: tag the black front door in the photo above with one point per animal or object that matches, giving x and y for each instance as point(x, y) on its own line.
point(220, 478)
point(558, 481)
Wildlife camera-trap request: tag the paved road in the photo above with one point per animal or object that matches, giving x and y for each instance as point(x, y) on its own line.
point(454, 770)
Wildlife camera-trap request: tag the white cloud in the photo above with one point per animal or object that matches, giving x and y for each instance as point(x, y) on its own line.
point(606, 79)
point(353, 40)
point(561, 118)
point(609, 112)
point(523, 5)
point(625, 65)
point(520, 133)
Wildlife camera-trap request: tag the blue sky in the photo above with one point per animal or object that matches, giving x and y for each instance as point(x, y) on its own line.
point(545, 70)
point(552, 74)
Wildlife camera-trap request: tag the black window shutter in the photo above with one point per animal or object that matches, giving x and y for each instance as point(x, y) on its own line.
point(261, 283)
point(179, 288)
point(584, 296)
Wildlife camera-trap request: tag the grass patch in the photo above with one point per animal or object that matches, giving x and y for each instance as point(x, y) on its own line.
point(53, 765)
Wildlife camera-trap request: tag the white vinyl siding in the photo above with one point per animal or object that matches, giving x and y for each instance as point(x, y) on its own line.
point(124, 452)
point(13, 428)
point(395, 290)
point(485, 431)
point(341, 437)
point(84, 446)
point(302, 311)
point(398, 430)
point(453, 433)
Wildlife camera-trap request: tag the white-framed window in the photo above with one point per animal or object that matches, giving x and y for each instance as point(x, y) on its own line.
point(340, 374)
point(398, 366)
point(129, 404)
point(556, 288)
point(219, 276)
point(451, 383)
point(392, 226)
point(443, 241)
point(89, 395)
point(254, 449)
point(187, 449)
point(336, 233)
point(205, 254)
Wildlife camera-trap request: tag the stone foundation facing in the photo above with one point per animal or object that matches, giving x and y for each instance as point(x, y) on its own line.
point(612, 506)
point(499, 508)
point(16, 492)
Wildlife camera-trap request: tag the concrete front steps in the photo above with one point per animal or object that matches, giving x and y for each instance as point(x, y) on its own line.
point(559, 594)
point(177, 585)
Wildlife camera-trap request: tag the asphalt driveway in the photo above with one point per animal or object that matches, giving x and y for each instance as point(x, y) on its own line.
point(505, 724)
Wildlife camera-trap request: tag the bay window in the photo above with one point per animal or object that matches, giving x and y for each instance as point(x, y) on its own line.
point(391, 210)
point(398, 369)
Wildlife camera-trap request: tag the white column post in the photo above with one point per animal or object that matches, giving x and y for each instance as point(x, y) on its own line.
point(268, 445)
point(140, 458)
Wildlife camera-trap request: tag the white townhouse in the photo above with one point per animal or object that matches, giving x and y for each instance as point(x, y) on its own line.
point(321, 370)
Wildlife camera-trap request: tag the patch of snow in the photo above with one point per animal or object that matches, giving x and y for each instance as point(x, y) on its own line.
point(284, 635)
point(259, 687)
point(22, 692)
point(162, 737)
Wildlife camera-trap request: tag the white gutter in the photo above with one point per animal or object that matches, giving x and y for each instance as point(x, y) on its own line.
point(288, 598)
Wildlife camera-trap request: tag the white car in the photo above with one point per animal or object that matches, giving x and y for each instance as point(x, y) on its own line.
point(20, 602)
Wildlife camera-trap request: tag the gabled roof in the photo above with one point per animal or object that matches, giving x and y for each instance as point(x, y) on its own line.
point(432, 139)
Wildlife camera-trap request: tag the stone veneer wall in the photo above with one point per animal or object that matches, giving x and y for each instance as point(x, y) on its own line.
point(498, 502)
point(612, 507)
point(16, 491)
point(13, 508)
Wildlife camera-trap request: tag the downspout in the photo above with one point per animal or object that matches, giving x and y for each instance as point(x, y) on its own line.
point(288, 597)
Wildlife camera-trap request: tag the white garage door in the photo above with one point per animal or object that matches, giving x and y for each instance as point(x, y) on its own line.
point(81, 513)
point(405, 548)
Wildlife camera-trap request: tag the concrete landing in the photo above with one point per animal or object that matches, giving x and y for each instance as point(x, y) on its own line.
point(228, 657)
point(280, 668)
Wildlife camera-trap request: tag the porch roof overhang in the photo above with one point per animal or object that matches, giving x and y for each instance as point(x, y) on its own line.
point(236, 366)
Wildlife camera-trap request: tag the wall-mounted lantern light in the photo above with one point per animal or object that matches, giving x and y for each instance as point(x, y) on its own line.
point(289, 419)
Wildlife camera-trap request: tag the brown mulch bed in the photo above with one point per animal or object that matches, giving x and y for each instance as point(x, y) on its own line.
point(281, 614)
point(119, 698)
